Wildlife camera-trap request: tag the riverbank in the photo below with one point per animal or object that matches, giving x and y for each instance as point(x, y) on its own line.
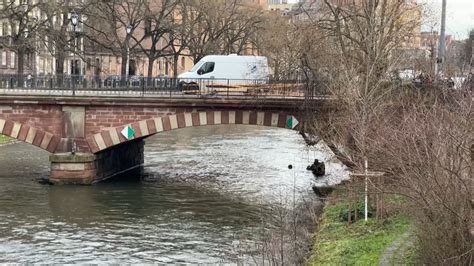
point(5, 139)
point(339, 243)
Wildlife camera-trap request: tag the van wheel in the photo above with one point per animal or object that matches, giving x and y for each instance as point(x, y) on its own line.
point(193, 86)
point(189, 88)
point(181, 85)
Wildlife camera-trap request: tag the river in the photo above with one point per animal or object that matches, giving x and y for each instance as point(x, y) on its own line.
point(201, 191)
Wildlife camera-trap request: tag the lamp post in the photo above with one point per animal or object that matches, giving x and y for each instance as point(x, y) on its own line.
point(442, 42)
point(127, 65)
point(74, 21)
point(21, 61)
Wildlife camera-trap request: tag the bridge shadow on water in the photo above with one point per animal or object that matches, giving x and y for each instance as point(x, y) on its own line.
point(138, 197)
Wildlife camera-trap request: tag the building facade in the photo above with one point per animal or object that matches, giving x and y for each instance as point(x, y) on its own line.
point(72, 53)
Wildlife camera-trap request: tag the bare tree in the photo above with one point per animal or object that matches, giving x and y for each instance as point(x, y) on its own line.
point(206, 34)
point(364, 36)
point(424, 142)
point(107, 25)
point(24, 23)
point(243, 29)
point(181, 33)
point(57, 31)
point(158, 24)
point(281, 42)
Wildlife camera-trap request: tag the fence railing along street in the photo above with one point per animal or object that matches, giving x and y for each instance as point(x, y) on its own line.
point(83, 85)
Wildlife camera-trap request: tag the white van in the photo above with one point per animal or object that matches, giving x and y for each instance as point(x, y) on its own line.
point(229, 67)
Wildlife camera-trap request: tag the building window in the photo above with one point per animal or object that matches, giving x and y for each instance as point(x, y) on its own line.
point(5, 29)
point(4, 58)
point(12, 58)
point(183, 62)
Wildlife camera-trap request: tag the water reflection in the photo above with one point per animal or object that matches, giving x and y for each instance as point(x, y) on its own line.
point(200, 191)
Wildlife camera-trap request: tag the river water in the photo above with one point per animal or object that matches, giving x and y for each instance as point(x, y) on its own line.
point(202, 191)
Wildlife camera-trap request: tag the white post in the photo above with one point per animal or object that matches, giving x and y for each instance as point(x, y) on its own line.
point(442, 42)
point(366, 211)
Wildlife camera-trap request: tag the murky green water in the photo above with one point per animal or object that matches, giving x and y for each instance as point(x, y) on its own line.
point(202, 191)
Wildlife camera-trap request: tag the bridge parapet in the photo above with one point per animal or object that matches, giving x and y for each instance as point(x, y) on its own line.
point(90, 127)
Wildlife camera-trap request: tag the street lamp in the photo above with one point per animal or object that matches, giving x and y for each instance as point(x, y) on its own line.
point(74, 21)
point(442, 43)
point(127, 66)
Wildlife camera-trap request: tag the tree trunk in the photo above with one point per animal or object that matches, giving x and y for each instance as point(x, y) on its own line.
point(175, 65)
point(60, 58)
point(123, 70)
point(21, 62)
point(21, 68)
point(196, 58)
point(60, 63)
point(151, 61)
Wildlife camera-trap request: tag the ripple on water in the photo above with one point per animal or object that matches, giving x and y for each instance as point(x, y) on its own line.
point(203, 190)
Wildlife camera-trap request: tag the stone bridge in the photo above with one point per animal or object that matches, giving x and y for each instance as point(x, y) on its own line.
point(84, 134)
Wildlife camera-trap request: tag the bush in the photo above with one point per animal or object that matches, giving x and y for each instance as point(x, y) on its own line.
point(360, 209)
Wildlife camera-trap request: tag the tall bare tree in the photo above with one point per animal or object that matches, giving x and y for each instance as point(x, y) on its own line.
point(364, 36)
point(186, 20)
point(58, 32)
point(243, 29)
point(157, 25)
point(24, 22)
point(206, 34)
point(107, 25)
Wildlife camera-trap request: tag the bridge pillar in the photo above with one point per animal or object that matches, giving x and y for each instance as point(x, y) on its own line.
point(88, 168)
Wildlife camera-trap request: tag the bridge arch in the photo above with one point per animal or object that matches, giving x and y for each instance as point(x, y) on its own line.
point(111, 137)
point(34, 136)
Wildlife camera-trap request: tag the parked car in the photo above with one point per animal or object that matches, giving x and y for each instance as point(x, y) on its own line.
point(112, 81)
point(135, 81)
point(120, 81)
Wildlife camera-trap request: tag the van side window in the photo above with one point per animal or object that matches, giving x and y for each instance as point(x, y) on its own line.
point(208, 67)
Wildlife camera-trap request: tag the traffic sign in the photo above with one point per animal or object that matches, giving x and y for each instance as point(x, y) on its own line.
point(292, 122)
point(128, 132)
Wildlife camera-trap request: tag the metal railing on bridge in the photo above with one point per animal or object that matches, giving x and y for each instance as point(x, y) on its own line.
point(90, 85)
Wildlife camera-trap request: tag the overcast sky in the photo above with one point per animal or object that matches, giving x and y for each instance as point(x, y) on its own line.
point(459, 16)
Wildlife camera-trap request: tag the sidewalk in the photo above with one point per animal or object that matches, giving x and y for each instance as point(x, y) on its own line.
point(398, 253)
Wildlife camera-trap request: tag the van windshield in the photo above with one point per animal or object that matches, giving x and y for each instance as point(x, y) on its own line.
point(196, 67)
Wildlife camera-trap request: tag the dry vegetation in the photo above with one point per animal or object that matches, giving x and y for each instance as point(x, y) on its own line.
point(421, 139)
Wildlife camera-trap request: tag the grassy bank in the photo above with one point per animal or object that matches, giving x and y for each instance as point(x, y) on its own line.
point(4, 139)
point(362, 243)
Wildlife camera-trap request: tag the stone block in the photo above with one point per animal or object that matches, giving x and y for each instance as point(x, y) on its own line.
point(72, 158)
point(64, 175)
point(68, 167)
point(74, 121)
point(88, 168)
